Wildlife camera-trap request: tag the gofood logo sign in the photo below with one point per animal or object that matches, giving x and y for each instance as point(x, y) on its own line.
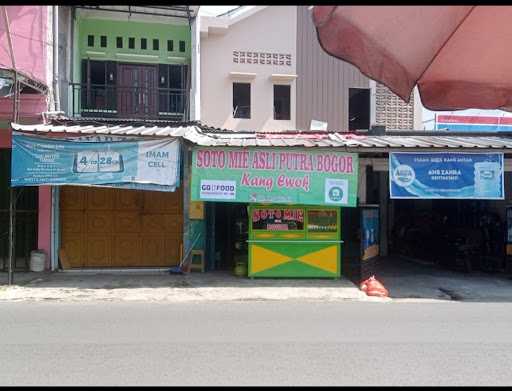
point(212, 189)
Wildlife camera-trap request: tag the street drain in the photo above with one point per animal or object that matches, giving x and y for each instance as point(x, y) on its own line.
point(451, 294)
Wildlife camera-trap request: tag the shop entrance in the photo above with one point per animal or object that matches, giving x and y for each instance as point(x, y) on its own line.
point(462, 235)
point(453, 234)
point(26, 217)
point(108, 227)
point(231, 234)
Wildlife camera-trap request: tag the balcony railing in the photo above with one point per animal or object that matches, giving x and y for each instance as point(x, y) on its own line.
point(103, 101)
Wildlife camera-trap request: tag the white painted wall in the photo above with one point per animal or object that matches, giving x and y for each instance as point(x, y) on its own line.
point(269, 29)
point(195, 85)
point(418, 110)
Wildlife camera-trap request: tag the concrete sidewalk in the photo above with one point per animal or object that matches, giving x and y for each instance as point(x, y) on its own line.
point(409, 280)
point(155, 286)
point(404, 279)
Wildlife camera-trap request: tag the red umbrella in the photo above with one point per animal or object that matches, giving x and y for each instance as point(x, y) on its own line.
point(459, 56)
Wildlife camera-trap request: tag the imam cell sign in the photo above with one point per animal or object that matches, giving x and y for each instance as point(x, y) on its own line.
point(141, 164)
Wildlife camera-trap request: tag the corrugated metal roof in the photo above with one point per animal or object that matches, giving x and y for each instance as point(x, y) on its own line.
point(202, 135)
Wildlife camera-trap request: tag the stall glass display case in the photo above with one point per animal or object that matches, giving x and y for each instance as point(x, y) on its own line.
point(294, 241)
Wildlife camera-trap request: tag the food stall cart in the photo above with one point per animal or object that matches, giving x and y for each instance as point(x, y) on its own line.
point(294, 241)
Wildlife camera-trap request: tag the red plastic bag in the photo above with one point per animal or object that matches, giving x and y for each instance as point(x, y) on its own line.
point(373, 287)
point(364, 285)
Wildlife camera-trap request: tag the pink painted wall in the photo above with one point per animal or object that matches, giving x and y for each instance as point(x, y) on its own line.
point(28, 26)
point(30, 108)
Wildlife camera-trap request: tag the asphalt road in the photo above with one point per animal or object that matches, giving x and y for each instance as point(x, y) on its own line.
point(256, 343)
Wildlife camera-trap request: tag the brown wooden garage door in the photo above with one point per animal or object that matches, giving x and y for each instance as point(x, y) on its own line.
point(103, 227)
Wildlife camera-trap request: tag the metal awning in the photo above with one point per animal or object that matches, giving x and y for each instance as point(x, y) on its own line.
point(8, 74)
point(176, 11)
point(202, 135)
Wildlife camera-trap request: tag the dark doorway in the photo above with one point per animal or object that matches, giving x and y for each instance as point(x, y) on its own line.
point(456, 234)
point(137, 91)
point(358, 108)
point(26, 217)
point(230, 234)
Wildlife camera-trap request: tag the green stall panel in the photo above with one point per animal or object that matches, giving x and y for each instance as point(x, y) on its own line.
point(294, 241)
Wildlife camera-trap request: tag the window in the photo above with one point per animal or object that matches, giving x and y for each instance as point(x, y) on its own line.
point(182, 46)
point(131, 43)
point(322, 220)
point(241, 100)
point(280, 219)
point(103, 41)
point(97, 72)
point(282, 102)
point(177, 76)
point(90, 40)
point(143, 43)
point(98, 85)
point(172, 81)
point(358, 108)
point(170, 45)
point(156, 44)
point(119, 42)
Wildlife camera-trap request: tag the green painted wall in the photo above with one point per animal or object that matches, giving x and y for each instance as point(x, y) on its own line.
point(114, 28)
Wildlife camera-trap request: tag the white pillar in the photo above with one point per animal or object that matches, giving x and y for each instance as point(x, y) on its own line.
point(373, 102)
point(195, 88)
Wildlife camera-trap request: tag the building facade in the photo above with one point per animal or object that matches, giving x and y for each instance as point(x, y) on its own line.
point(128, 64)
point(262, 68)
point(136, 72)
point(26, 60)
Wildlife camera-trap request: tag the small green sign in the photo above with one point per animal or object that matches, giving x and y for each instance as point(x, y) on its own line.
point(277, 175)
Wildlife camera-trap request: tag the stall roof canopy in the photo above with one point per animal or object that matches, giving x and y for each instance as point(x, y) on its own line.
point(203, 135)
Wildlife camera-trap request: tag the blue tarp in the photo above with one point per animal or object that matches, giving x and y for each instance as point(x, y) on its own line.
point(145, 164)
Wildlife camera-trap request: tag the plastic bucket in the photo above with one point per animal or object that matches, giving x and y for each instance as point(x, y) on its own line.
point(37, 261)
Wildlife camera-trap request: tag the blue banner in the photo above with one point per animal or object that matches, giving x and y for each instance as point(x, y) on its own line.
point(145, 164)
point(370, 233)
point(446, 175)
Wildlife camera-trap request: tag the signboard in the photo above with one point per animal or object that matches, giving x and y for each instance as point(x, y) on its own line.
point(473, 123)
point(318, 125)
point(298, 176)
point(446, 175)
point(369, 233)
point(149, 165)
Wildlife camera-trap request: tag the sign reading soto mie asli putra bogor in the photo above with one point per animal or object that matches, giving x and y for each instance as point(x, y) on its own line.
point(446, 175)
point(274, 175)
point(140, 164)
